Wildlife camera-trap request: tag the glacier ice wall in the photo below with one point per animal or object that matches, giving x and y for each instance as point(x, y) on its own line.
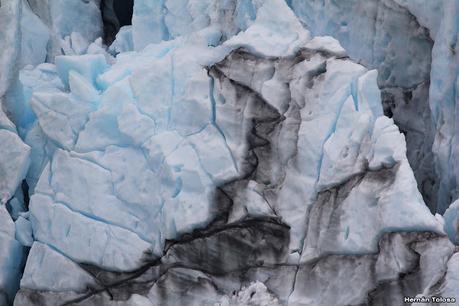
point(218, 153)
point(412, 44)
point(14, 164)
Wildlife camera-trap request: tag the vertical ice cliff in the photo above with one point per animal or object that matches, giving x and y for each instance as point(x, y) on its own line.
point(14, 162)
point(387, 36)
point(31, 34)
point(412, 43)
point(216, 153)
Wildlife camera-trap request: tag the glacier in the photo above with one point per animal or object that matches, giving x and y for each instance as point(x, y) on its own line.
point(229, 152)
point(412, 43)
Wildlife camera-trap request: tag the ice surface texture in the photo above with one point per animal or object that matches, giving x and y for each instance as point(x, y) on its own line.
point(412, 43)
point(215, 154)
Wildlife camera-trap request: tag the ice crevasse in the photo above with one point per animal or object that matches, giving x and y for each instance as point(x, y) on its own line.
point(215, 154)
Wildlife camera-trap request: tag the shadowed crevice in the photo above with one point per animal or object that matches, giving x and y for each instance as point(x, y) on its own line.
point(115, 14)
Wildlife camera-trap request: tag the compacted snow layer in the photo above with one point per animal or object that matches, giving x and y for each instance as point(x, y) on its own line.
point(215, 154)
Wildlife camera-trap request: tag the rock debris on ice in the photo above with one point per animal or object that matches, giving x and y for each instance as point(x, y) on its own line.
point(217, 153)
